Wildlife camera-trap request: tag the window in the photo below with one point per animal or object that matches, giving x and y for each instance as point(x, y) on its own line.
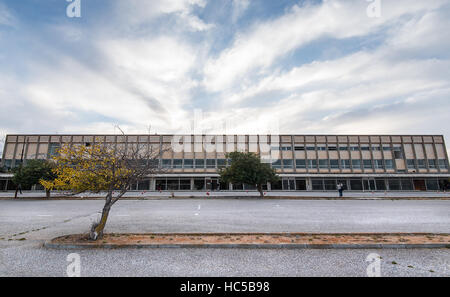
point(380, 184)
point(330, 184)
point(312, 164)
point(53, 149)
point(300, 184)
point(300, 163)
point(317, 184)
point(432, 184)
point(389, 164)
point(365, 148)
point(394, 184)
point(144, 185)
point(288, 164)
point(367, 164)
point(321, 148)
point(188, 163)
point(185, 184)
point(276, 164)
point(334, 164)
point(167, 163)
point(376, 148)
point(432, 163)
point(379, 164)
point(332, 148)
point(199, 184)
point(275, 148)
point(411, 163)
point(354, 147)
point(386, 147)
point(173, 184)
point(199, 163)
point(345, 164)
point(443, 164)
point(286, 148)
point(8, 163)
point(356, 185)
point(299, 148)
point(211, 163)
point(421, 164)
point(310, 148)
point(356, 164)
point(178, 163)
point(343, 148)
point(161, 184)
point(221, 163)
point(323, 164)
point(398, 153)
point(407, 184)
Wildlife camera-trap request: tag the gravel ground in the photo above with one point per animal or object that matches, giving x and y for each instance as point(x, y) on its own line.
point(32, 260)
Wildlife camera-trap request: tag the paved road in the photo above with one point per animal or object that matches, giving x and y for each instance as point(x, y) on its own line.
point(229, 216)
point(36, 221)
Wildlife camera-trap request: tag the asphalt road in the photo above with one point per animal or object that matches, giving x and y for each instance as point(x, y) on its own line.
point(25, 225)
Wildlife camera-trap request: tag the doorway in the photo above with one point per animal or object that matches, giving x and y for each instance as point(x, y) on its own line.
point(419, 185)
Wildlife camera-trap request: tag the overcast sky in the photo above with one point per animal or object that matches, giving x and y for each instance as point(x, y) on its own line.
point(311, 66)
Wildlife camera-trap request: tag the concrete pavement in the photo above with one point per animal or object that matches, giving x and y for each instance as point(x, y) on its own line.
point(35, 221)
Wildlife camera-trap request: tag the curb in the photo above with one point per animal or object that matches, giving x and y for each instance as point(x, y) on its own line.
point(51, 245)
point(225, 198)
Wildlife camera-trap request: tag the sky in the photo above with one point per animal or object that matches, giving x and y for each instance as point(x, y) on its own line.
point(229, 66)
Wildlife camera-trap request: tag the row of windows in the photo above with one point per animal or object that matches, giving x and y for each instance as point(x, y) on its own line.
point(300, 184)
point(324, 147)
point(380, 184)
point(355, 164)
point(299, 163)
point(422, 164)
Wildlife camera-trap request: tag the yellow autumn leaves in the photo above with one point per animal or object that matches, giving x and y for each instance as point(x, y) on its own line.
point(92, 168)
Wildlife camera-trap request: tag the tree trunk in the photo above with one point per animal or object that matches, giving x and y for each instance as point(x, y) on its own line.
point(15, 194)
point(97, 229)
point(260, 190)
point(47, 193)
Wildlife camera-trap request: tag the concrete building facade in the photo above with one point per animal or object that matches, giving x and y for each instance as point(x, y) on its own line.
point(304, 162)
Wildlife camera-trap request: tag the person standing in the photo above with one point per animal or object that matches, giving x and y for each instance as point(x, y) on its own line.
point(340, 188)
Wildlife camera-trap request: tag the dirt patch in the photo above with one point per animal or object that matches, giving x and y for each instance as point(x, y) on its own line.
point(255, 238)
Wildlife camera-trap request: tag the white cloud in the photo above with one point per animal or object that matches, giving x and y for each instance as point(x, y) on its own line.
point(137, 12)
point(267, 41)
point(239, 7)
point(6, 17)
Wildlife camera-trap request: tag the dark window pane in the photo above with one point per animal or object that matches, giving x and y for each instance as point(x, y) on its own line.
point(356, 185)
point(300, 163)
point(394, 184)
point(288, 164)
point(199, 163)
point(317, 184)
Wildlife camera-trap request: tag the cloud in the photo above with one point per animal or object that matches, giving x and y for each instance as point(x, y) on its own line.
point(239, 7)
point(260, 47)
point(315, 67)
point(6, 17)
point(138, 12)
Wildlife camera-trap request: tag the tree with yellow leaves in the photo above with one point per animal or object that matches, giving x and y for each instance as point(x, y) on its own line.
point(103, 167)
